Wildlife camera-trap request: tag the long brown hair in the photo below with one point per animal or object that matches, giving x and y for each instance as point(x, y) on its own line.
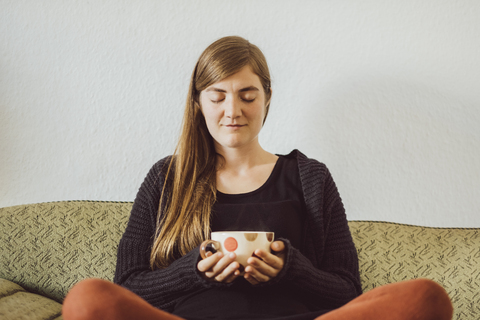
point(189, 191)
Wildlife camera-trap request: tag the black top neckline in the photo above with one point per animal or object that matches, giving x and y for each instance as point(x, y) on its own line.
point(276, 167)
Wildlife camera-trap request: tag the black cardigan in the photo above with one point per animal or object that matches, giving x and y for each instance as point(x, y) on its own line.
point(326, 270)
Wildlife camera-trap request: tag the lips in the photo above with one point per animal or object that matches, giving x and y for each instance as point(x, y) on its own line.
point(234, 126)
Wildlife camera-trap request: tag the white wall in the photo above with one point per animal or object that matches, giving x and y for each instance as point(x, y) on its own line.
point(386, 93)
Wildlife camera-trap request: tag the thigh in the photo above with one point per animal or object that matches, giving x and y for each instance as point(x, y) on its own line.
point(101, 299)
point(407, 300)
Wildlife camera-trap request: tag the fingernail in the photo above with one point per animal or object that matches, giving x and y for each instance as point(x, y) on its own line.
point(232, 255)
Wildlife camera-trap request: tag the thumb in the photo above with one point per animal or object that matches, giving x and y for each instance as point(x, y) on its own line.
point(278, 246)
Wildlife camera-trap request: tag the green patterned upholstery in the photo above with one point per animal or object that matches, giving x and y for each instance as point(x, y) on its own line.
point(16, 303)
point(390, 252)
point(46, 248)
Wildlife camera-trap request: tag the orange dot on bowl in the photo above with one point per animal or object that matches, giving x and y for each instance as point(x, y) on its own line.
point(230, 244)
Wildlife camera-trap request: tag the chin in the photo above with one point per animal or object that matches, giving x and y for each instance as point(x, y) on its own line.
point(231, 144)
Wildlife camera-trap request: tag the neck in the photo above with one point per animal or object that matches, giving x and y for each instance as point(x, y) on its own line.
point(239, 159)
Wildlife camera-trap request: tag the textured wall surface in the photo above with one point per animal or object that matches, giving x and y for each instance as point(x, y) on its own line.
point(385, 93)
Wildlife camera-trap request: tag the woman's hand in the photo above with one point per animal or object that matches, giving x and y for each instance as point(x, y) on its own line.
point(268, 266)
point(219, 267)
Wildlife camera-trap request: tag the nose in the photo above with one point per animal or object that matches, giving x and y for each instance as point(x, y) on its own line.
point(233, 108)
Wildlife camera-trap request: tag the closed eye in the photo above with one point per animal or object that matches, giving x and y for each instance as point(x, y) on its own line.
point(248, 100)
point(217, 101)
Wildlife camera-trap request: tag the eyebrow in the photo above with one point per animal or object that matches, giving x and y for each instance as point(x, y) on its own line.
point(251, 88)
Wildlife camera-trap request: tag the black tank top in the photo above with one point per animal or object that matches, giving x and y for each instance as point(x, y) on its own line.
point(276, 206)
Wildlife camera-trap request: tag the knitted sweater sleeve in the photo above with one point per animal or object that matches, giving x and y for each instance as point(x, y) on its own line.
point(327, 268)
point(160, 287)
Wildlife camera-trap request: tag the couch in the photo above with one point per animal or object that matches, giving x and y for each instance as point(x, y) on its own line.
point(46, 248)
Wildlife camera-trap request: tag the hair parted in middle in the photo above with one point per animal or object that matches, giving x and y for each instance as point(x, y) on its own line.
point(189, 191)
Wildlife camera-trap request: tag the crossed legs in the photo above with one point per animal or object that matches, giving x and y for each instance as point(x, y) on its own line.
point(419, 299)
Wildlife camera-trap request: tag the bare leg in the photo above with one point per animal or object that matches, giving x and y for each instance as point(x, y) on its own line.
point(101, 299)
point(419, 299)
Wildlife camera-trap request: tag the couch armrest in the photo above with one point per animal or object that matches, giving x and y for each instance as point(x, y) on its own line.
point(17, 303)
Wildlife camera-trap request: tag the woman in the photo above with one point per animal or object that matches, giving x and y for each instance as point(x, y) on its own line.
point(219, 179)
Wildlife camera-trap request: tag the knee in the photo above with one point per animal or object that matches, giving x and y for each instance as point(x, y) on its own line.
point(433, 299)
point(87, 299)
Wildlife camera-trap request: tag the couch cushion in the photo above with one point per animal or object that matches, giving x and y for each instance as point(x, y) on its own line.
point(16, 304)
point(48, 247)
point(391, 252)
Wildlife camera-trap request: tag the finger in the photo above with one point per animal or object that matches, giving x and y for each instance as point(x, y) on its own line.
point(256, 274)
point(250, 279)
point(223, 263)
point(274, 261)
point(262, 268)
point(231, 278)
point(229, 273)
point(208, 263)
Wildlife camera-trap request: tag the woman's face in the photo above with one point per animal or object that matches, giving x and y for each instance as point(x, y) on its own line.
point(234, 109)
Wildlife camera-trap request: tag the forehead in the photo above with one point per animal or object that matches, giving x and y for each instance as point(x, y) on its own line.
point(243, 80)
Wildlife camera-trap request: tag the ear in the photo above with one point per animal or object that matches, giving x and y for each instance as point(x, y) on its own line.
point(196, 101)
point(198, 107)
point(269, 98)
point(267, 106)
